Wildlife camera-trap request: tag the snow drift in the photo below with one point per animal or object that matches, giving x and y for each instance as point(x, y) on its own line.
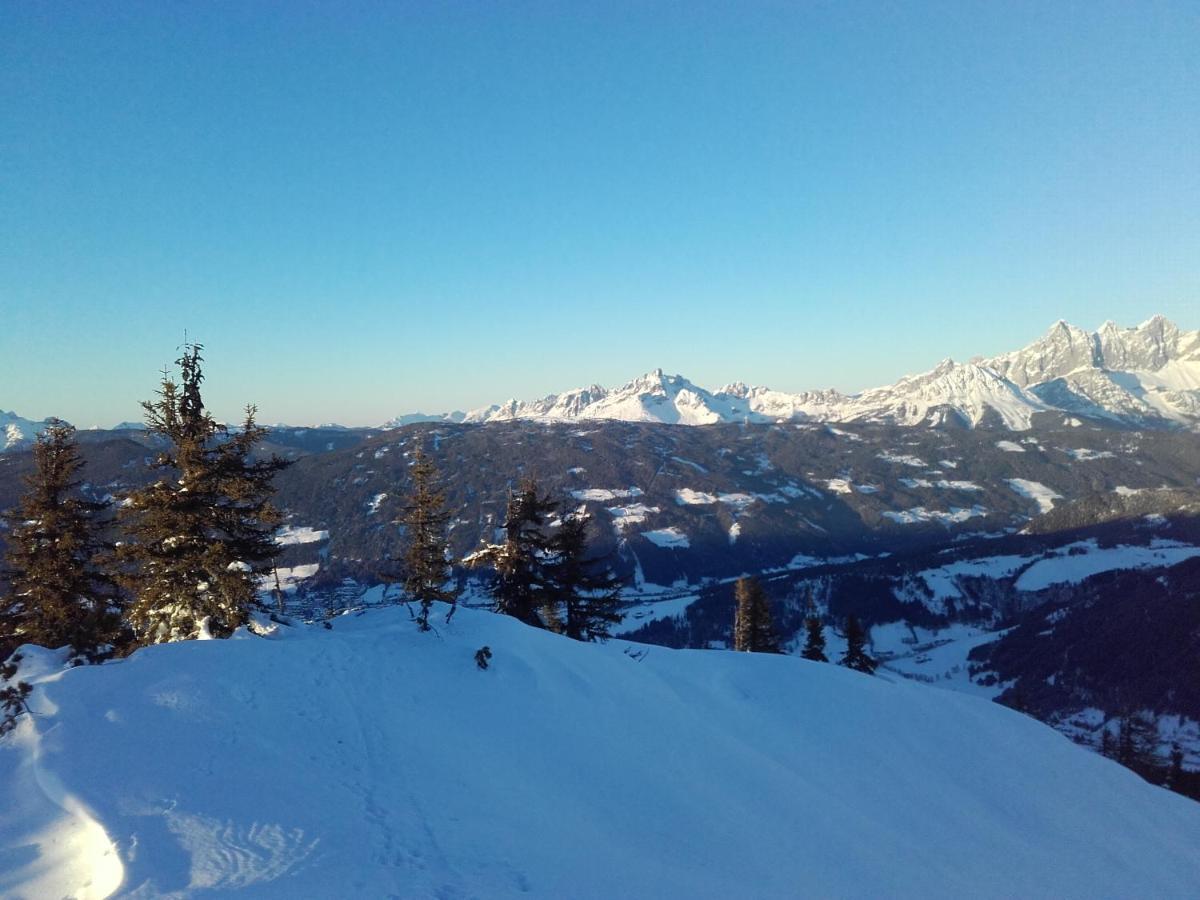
point(372, 760)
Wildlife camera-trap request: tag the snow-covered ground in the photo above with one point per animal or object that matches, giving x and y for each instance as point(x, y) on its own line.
point(1043, 496)
point(300, 534)
point(689, 497)
point(920, 515)
point(371, 760)
point(937, 657)
point(670, 537)
point(1086, 453)
point(634, 514)
point(903, 459)
point(1072, 568)
point(604, 495)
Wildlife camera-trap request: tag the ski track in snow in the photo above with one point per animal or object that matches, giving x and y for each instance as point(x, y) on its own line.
point(371, 760)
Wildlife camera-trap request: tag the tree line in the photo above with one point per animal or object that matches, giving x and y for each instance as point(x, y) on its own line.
point(187, 555)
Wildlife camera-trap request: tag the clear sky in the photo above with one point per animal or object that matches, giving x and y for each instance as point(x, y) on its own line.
point(364, 210)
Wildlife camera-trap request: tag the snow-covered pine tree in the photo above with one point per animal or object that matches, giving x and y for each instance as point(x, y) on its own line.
point(426, 567)
point(814, 640)
point(201, 536)
point(753, 629)
point(856, 656)
point(57, 566)
point(521, 587)
point(582, 587)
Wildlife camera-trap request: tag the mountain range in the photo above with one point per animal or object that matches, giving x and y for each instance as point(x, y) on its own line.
point(1146, 376)
point(978, 559)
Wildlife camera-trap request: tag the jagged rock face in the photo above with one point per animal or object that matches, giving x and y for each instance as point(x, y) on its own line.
point(1063, 349)
point(1148, 348)
point(1148, 374)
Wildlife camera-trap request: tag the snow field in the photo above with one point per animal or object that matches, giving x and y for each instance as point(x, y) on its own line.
point(634, 514)
point(371, 760)
point(1074, 568)
point(604, 495)
point(671, 538)
point(303, 534)
point(920, 515)
point(1043, 496)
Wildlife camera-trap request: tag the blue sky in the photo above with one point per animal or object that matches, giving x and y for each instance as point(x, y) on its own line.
point(367, 210)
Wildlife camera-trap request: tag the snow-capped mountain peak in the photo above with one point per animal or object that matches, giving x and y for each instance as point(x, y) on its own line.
point(1063, 348)
point(1149, 372)
point(15, 431)
point(972, 392)
point(1146, 374)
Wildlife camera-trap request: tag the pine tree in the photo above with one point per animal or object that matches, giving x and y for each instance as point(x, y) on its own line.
point(1106, 742)
point(856, 656)
point(581, 586)
point(424, 517)
point(753, 629)
point(56, 563)
point(521, 588)
point(1135, 741)
point(814, 643)
point(14, 695)
point(1175, 770)
point(202, 535)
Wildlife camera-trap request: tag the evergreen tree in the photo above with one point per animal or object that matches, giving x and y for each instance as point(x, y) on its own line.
point(1107, 748)
point(203, 534)
point(814, 643)
point(1175, 771)
point(14, 695)
point(753, 629)
point(582, 587)
point(856, 656)
point(1136, 741)
point(56, 563)
point(522, 587)
point(424, 517)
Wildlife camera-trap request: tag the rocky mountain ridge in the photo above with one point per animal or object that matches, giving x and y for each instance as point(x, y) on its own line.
point(1146, 376)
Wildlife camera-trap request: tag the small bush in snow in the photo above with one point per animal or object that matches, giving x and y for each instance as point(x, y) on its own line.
point(482, 655)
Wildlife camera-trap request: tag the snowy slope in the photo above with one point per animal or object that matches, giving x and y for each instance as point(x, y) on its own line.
point(371, 760)
point(970, 391)
point(653, 397)
point(1149, 373)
